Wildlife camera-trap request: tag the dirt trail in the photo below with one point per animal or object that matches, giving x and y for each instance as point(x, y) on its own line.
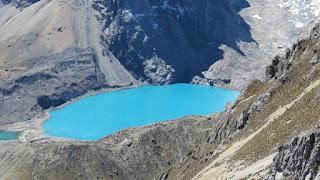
point(219, 165)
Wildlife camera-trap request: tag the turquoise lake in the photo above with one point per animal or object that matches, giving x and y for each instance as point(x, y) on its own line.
point(97, 116)
point(9, 135)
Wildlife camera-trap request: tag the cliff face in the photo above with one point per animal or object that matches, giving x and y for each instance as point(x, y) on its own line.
point(299, 159)
point(182, 35)
point(19, 3)
point(50, 54)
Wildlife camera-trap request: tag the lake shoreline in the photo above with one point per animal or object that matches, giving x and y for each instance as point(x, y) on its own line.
point(33, 130)
point(97, 116)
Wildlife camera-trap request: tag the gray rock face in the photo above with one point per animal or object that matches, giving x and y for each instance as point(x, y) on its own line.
point(315, 58)
point(275, 26)
point(46, 63)
point(157, 71)
point(299, 159)
point(229, 123)
point(55, 80)
point(19, 3)
point(186, 35)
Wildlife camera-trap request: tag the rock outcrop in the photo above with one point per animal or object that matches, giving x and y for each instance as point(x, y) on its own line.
point(19, 3)
point(58, 79)
point(47, 59)
point(275, 26)
point(300, 159)
point(185, 34)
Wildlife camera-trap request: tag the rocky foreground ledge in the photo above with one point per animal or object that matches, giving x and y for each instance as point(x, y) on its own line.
point(139, 153)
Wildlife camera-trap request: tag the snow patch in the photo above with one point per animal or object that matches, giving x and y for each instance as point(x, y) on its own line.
point(127, 16)
point(297, 7)
point(299, 24)
point(257, 16)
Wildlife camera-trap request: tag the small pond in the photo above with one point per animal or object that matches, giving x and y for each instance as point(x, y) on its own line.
point(9, 135)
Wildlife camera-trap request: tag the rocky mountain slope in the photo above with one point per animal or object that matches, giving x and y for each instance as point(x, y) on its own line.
point(275, 26)
point(52, 51)
point(55, 50)
point(183, 36)
point(271, 132)
point(282, 109)
point(139, 153)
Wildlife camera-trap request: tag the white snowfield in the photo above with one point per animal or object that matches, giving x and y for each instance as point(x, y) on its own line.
point(302, 10)
point(275, 26)
point(301, 7)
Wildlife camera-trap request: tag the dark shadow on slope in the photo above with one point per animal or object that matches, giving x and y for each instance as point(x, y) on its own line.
point(19, 3)
point(186, 34)
point(238, 5)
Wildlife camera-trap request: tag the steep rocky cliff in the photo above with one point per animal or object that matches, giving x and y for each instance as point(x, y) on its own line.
point(184, 35)
point(49, 54)
point(299, 159)
point(19, 3)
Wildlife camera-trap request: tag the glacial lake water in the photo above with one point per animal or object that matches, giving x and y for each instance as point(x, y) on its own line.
point(95, 117)
point(9, 135)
